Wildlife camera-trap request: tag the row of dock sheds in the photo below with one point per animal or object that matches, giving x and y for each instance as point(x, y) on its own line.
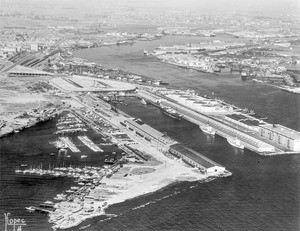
point(180, 151)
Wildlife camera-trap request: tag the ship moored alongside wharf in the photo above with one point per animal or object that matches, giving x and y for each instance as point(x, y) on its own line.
point(151, 160)
point(166, 144)
point(227, 121)
point(101, 187)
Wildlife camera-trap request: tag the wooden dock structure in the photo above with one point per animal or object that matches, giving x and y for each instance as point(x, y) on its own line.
point(41, 210)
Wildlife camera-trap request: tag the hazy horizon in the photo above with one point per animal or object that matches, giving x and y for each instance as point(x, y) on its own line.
point(56, 6)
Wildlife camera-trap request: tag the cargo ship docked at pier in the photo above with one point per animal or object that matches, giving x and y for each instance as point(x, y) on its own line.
point(172, 113)
point(207, 129)
point(235, 142)
point(242, 130)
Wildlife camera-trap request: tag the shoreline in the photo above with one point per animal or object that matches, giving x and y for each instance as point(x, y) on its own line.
point(26, 125)
point(79, 216)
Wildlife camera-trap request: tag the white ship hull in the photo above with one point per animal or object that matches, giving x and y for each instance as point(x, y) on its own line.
point(235, 143)
point(207, 129)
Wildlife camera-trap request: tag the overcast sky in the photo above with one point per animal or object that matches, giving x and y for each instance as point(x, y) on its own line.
point(285, 6)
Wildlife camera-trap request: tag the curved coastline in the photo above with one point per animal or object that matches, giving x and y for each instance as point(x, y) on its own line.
point(138, 188)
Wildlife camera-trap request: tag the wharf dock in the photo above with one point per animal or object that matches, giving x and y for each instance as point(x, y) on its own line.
point(224, 130)
point(89, 143)
point(69, 144)
point(195, 158)
point(41, 210)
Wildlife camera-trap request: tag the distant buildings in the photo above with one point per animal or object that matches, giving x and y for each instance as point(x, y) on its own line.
point(20, 71)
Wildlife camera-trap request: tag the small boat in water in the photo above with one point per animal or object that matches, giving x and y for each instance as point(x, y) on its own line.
point(30, 209)
point(47, 204)
point(235, 142)
point(18, 170)
point(69, 191)
point(83, 156)
point(207, 129)
point(60, 197)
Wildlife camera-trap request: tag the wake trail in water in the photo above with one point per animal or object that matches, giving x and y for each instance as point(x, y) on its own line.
point(154, 201)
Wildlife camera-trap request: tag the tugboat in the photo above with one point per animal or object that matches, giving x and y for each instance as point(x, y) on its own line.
point(172, 113)
point(207, 129)
point(235, 142)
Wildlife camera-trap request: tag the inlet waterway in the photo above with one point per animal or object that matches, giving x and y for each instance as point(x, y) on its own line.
point(262, 194)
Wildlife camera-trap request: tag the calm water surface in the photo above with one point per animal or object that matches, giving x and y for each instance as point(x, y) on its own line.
point(262, 194)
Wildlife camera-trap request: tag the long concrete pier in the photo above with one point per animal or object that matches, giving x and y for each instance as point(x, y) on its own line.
point(222, 129)
point(41, 210)
point(89, 143)
point(69, 144)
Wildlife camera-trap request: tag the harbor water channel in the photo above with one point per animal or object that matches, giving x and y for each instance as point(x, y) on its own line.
point(262, 194)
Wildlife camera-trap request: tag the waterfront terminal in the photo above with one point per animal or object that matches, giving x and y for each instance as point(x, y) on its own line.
point(227, 120)
point(151, 160)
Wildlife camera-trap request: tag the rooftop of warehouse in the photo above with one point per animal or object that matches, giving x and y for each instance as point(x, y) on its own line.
point(243, 119)
point(194, 155)
point(290, 133)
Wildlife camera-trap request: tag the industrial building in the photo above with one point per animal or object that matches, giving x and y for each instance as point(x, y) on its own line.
point(78, 83)
point(195, 159)
point(285, 137)
point(20, 71)
point(223, 129)
point(147, 132)
point(200, 104)
point(244, 121)
point(188, 155)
